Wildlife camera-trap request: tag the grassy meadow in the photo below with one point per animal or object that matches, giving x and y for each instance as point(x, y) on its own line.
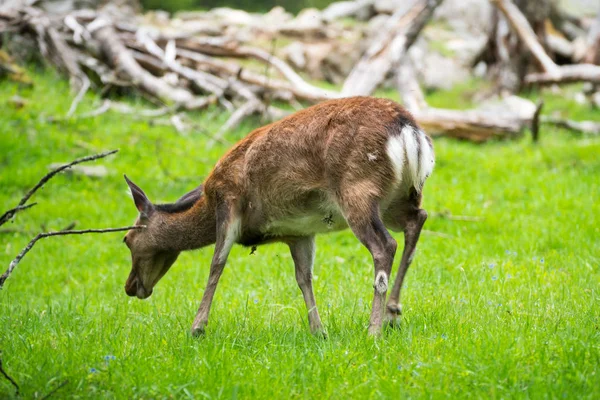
point(505, 304)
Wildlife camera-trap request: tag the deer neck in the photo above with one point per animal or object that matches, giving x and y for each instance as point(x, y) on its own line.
point(190, 229)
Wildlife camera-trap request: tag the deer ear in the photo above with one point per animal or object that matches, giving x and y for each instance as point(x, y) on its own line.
point(142, 203)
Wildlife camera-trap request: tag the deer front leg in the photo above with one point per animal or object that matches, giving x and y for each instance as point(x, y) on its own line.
point(412, 230)
point(369, 229)
point(228, 227)
point(303, 254)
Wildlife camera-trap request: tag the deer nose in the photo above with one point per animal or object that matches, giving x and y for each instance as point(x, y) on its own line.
point(131, 286)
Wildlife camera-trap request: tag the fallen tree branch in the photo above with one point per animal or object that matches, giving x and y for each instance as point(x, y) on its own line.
point(520, 24)
point(586, 127)
point(301, 88)
point(390, 46)
point(249, 108)
point(477, 125)
point(21, 206)
point(23, 252)
point(121, 58)
point(552, 73)
point(566, 74)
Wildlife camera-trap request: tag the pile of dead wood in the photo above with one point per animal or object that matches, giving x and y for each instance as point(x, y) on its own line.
point(228, 57)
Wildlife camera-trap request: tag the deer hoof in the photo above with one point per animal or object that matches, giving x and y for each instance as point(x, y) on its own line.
point(392, 316)
point(198, 331)
point(320, 333)
point(374, 330)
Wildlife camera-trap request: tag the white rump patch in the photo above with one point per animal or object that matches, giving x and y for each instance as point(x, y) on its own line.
point(395, 151)
point(381, 282)
point(411, 150)
point(427, 158)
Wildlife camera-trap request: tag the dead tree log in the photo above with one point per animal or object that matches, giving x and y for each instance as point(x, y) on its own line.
point(119, 57)
point(552, 73)
point(386, 51)
point(475, 125)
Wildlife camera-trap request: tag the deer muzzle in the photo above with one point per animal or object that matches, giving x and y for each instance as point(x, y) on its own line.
point(134, 287)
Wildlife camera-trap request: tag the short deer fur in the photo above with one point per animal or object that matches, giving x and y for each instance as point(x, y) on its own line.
point(358, 162)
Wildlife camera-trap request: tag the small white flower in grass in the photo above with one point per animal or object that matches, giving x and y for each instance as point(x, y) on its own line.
point(492, 265)
point(255, 300)
point(542, 260)
point(494, 277)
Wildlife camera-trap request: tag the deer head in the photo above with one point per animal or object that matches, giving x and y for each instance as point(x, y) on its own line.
point(151, 254)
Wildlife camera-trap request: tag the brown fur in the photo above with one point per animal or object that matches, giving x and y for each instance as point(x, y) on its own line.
point(324, 168)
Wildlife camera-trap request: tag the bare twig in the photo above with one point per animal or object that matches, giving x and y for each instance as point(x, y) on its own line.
point(39, 236)
point(69, 227)
point(10, 213)
point(63, 383)
point(84, 88)
point(11, 380)
point(249, 108)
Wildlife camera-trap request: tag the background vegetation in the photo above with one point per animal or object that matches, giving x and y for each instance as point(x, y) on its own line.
point(292, 6)
point(505, 306)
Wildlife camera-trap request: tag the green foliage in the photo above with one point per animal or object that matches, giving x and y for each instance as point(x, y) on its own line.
point(505, 307)
point(248, 5)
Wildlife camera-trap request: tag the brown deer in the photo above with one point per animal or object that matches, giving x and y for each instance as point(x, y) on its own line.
point(357, 162)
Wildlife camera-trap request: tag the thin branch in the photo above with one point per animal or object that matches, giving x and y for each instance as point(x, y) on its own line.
point(55, 390)
point(247, 109)
point(10, 213)
point(84, 88)
point(39, 236)
point(8, 376)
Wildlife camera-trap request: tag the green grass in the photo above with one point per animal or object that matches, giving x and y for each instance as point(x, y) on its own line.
point(504, 307)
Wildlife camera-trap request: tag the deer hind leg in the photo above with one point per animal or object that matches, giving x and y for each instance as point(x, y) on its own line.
point(411, 222)
point(228, 227)
point(303, 254)
point(366, 224)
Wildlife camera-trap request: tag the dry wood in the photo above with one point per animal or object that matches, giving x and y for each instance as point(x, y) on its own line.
point(566, 74)
point(520, 24)
point(21, 206)
point(39, 236)
point(552, 73)
point(408, 87)
point(474, 125)
point(585, 127)
point(593, 41)
point(121, 58)
point(301, 88)
point(249, 108)
point(386, 51)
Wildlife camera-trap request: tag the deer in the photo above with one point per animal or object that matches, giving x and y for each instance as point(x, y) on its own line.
point(357, 163)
